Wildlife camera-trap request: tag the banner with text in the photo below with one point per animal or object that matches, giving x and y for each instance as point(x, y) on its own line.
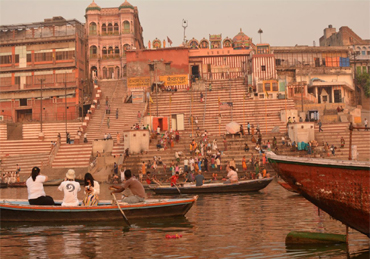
point(175, 80)
point(138, 82)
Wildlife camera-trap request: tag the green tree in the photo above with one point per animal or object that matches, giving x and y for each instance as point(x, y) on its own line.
point(363, 80)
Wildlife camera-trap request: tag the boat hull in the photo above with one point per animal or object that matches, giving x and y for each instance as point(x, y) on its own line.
point(340, 188)
point(15, 212)
point(242, 186)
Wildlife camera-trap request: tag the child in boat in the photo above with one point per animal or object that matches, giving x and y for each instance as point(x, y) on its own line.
point(92, 191)
point(70, 188)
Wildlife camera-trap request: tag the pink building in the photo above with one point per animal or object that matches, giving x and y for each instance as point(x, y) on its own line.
point(110, 32)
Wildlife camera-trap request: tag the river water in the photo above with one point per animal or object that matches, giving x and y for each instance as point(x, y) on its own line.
point(248, 225)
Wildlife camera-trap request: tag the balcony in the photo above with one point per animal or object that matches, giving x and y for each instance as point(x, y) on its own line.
point(115, 56)
point(110, 33)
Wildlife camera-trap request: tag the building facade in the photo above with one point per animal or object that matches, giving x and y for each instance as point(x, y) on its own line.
point(110, 32)
point(221, 59)
point(43, 70)
point(318, 74)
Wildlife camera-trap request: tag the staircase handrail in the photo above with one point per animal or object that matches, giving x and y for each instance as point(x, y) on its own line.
point(53, 153)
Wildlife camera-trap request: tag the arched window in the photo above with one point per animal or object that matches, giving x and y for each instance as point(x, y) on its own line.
point(110, 28)
point(92, 28)
point(116, 51)
point(104, 52)
point(126, 27)
point(104, 29)
point(110, 51)
point(93, 52)
point(116, 30)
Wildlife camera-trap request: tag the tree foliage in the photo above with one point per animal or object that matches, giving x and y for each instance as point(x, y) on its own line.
point(363, 80)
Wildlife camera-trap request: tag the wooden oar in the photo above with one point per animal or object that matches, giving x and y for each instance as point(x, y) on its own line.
point(123, 214)
point(177, 188)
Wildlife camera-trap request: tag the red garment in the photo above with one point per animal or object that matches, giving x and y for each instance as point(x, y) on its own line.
point(174, 180)
point(148, 181)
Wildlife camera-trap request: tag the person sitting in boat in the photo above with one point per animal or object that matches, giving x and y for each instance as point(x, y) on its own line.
point(35, 189)
point(70, 188)
point(133, 190)
point(92, 191)
point(232, 175)
point(199, 179)
point(174, 179)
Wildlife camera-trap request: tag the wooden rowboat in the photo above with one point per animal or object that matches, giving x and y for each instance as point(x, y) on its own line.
point(241, 186)
point(21, 211)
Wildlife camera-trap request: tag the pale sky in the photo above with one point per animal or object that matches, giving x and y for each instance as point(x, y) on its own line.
point(284, 23)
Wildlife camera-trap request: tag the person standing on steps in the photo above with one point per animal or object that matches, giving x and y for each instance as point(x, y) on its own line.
point(106, 100)
point(108, 122)
point(139, 116)
point(365, 122)
point(320, 125)
point(249, 128)
point(117, 113)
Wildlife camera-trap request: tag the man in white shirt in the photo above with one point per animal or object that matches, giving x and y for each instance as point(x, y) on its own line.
point(70, 188)
point(186, 164)
point(232, 175)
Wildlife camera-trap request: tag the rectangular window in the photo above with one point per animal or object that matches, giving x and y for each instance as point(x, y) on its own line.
point(16, 59)
point(278, 62)
point(39, 57)
point(29, 80)
point(261, 96)
point(209, 68)
point(23, 102)
point(364, 69)
point(363, 52)
point(267, 87)
point(5, 81)
point(260, 88)
point(358, 53)
point(64, 55)
point(275, 87)
point(168, 66)
point(368, 69)
point(6, 59)
point(323, 62)
point(358, 70)
point(17, 80)
point(368, 53)
point(29, 57)
point(263, 68)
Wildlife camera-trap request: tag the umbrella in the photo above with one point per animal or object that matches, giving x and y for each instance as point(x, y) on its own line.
point(233, 127)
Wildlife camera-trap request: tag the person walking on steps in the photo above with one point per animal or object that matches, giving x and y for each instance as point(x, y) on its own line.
point(320, 125)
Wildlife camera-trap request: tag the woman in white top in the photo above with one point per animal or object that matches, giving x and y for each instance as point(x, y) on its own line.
point(35, 189)
point(92, 191)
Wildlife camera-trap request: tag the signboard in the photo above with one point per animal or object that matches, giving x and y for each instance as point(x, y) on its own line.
point(137, 96)
point(138, 82)
point(175, 80)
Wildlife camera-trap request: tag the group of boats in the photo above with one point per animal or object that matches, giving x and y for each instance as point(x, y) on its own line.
point(340, 188)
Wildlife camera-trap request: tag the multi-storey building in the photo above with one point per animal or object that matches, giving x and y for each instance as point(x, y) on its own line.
point(42, 70)
point(110, 32)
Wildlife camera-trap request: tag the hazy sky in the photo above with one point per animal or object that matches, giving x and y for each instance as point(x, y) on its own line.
point(284, 23)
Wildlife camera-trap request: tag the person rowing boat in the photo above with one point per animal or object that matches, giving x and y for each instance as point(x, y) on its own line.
point(133, 190)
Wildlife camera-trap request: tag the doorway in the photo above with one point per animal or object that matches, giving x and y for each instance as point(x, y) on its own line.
point(24, 115)
point(337, 96)
point(195, 72)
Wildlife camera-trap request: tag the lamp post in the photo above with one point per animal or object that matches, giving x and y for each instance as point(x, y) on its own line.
point(65, 98)
point(354, 72)
point(41, 81)
point(260, 31)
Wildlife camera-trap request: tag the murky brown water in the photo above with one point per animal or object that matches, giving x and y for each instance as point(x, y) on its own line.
point(252, 225)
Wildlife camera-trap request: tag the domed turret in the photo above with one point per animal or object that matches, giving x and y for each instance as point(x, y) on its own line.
point(241, 41)
point(93, 6)
point(126, 5)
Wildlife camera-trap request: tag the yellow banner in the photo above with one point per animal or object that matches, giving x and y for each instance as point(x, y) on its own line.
point(138, 82)
point(174, 80)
